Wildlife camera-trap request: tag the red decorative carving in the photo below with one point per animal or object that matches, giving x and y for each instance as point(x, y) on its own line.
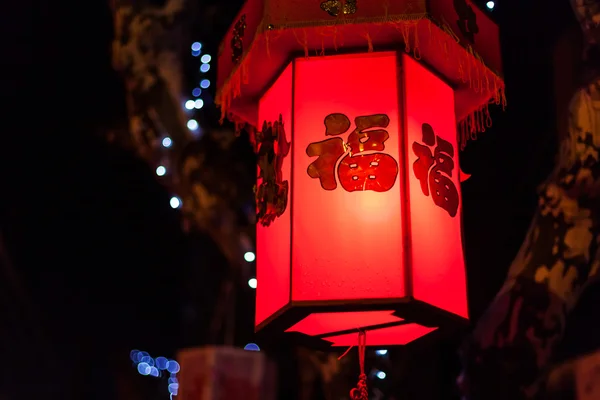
point(272, 192)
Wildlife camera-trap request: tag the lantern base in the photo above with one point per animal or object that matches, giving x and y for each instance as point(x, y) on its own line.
point(329, 324)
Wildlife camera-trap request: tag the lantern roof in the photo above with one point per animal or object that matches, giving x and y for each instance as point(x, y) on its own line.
point(456, 39)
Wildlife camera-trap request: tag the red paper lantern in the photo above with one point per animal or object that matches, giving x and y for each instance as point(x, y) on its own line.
point(358, 196)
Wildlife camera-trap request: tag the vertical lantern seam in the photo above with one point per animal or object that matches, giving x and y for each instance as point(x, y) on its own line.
point(292, 178)
point(405, 189)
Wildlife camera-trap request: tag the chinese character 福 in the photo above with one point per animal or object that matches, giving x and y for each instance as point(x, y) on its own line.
point(434, 171)
point(363, 167)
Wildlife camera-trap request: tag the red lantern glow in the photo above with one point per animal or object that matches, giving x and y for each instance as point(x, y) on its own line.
point(364, 229)
point(358, 236)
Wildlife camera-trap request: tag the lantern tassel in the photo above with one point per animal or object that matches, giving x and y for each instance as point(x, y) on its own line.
point(360, 392)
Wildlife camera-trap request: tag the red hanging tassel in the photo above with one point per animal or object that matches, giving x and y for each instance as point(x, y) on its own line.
point(360, 392)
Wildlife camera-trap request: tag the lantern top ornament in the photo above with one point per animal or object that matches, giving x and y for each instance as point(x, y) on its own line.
point(454, 37)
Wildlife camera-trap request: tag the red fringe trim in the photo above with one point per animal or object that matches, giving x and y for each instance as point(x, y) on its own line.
point(471, 69)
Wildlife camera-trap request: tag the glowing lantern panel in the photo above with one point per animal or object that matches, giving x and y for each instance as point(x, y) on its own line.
point(361, 218)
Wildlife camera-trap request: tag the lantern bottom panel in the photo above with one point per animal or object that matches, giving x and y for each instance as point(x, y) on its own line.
point(333, 324)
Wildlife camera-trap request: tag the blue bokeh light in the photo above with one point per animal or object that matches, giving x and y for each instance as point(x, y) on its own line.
point(173, 366)
point(161, 363)
point(204, 83)
point(252, 347)
point(133, 355)
point(144, 368)
point(149, 366)
point(139, 356)
point(196, 92)
point(167, 142)
point(148, 360)
point(196, 46)
point(173, 388)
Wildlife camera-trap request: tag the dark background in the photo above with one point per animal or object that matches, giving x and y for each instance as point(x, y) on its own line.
point(97, 257)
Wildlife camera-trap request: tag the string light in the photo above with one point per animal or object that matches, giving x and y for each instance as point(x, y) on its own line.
point(249, 256)
point(253, 283)
point(175, 202)
point(490, 5)
point(192, 124)
point(198, 103)
point(167, 142)
point(148, 366)
point(251, 347)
